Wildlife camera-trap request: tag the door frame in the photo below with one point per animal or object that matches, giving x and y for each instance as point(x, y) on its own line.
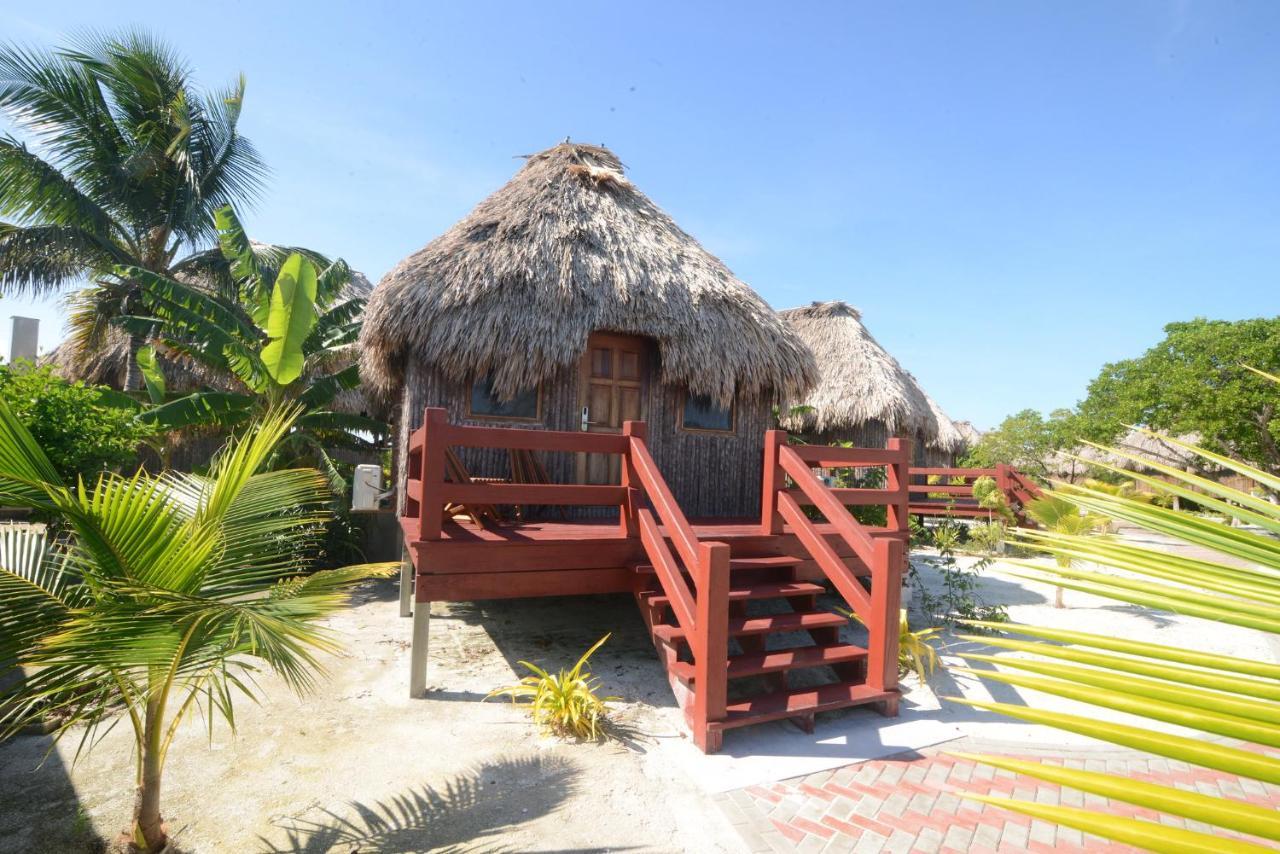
point(584, 380)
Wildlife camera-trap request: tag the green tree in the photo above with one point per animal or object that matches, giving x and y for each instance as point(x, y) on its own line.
point(1026, 440)
point(78, 432)
point(1196, 381)
point(127, 162)
point(166, 595)
point(286, 335)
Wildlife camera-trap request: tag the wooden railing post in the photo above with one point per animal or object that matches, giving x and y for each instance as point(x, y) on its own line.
point(898, 480)
point(711, 658)
point(774, 479)
point(630, 479)
point(435, 423)
point(886, 605)
point(1004, 483)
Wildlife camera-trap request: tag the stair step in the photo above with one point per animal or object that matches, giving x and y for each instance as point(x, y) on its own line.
point(787, 704)
point(737, 563)
point(770, 590)
point(758, 663)
point(739, 626)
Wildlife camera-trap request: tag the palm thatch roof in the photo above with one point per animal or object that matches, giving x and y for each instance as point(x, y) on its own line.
point(949, 439)
point(971, 434)
point(567, 247)
point(1151, 446)
point(860, 382)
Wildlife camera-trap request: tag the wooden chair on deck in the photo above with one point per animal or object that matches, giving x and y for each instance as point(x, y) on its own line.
point(455, 472)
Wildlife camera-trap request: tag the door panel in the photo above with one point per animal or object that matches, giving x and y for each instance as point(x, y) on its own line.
point(615, 371)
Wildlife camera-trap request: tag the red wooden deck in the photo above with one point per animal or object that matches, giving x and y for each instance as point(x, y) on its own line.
point(692, 581)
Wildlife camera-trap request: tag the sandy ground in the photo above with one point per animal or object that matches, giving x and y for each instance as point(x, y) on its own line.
point(359, 766)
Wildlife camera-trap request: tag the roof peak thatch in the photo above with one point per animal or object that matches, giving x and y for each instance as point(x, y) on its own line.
point(568, 247)
point(859, 381)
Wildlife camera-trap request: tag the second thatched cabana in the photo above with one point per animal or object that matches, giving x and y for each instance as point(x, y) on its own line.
point(568, 300)
point(863, 395)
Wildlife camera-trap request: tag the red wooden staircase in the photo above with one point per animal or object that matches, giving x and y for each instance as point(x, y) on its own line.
point(726, 623)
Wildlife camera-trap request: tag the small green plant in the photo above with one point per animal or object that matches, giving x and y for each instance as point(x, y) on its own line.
point(1062, 517)
point(987, 537)
point(990, 497)
point(958, 598)
point(915, 653)
point(566, 703)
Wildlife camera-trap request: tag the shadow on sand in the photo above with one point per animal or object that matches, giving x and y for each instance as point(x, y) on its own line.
point(465, 814)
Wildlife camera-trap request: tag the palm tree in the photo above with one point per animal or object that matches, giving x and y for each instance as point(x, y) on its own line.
point(1232, 703)
point(164, 595)
point(126, 164)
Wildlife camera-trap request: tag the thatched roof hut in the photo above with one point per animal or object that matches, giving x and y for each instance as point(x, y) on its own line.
point(567, 292)
point(567, 247)
point(863, 394)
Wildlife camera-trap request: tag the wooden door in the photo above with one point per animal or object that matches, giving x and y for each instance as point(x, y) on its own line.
point(614, 375)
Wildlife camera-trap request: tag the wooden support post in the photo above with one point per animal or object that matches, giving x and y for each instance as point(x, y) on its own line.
point(898, 479)
point(1005, 483)
point(630, 480)
point(711, 658)
point(774, 479)
point(418, 649)
point(886, 603)
point(406, 583)
point(435, 423)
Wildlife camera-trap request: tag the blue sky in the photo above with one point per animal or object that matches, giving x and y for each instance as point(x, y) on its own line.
point(1013, 193)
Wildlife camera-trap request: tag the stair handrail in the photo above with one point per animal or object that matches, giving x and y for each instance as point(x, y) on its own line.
point(879, 609)
point(703, 612)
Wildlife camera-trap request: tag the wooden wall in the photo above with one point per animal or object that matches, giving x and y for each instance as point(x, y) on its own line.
point(710, 474)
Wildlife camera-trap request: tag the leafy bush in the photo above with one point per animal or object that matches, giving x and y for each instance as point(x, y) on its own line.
point(566, 703)
point(986, 537)
point(79, 433)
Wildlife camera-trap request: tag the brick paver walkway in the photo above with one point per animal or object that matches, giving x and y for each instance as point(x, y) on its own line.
point(911, 803)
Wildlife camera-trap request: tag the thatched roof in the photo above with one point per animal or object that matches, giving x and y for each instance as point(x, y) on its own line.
point(1151, 446)
point(949, 438)
point(859, 382)
point(567, 247)
point(971, 434)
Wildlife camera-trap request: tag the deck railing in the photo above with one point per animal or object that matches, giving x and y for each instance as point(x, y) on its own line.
point(883, 555)
point(427, 491)
point(952, 494)
point(703, 611)
point(647, 510)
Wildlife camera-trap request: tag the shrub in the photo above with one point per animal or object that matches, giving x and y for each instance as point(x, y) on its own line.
point(77, 430)
point(566, 703)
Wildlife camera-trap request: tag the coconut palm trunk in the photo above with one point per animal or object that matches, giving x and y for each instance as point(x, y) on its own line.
point(148, 825)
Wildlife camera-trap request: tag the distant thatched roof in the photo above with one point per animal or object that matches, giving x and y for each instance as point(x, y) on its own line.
point(972, 435)
point(1076, 462)
point(949, 439)
point(1149, 446)
point(860, 382)
point(567, 247)
point(105, 364)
